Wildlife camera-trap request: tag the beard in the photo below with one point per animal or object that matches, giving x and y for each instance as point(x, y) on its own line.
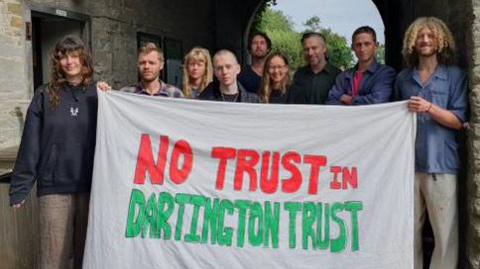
point(260, 54)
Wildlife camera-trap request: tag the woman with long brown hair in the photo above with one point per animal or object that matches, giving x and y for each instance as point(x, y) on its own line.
point(275, 80)
point(57, 151)
point(197, 72)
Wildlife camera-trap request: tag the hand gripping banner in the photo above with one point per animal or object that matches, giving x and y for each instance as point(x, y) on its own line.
point(196, 184)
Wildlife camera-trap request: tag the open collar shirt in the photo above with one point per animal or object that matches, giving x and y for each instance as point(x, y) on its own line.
point(436, 146)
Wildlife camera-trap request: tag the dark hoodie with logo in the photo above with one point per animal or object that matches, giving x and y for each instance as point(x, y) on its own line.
point(58, 145)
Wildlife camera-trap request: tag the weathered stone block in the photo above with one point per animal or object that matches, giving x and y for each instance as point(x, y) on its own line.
point(17, 23)
point(15, 9)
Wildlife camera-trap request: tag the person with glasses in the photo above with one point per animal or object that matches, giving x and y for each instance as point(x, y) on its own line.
point(276, 79)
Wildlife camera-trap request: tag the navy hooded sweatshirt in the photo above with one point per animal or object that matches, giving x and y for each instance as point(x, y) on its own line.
point(58, 145)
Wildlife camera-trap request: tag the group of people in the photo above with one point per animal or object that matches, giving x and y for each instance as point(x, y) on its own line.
point(58, 141)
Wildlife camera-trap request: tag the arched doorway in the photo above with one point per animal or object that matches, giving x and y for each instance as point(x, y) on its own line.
point(459, 16)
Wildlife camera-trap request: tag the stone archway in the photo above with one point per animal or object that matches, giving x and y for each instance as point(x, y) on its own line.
point(463, 18)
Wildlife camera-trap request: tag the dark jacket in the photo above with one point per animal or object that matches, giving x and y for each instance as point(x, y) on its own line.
point(376, 86)
point(311, 88)
point(212, 93)
point(57, 147)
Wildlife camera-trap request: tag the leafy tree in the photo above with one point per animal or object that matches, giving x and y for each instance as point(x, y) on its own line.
point(313, 24)
point(273, 21)
point(339, 53)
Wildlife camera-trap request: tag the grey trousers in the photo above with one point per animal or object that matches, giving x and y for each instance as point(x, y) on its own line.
point(437, 195)
point(63, 226)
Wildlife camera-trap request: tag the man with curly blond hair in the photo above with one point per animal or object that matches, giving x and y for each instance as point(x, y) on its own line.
point(437, 92)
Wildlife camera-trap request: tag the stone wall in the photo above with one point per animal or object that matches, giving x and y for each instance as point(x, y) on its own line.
point(14, 56)
point(473, 145)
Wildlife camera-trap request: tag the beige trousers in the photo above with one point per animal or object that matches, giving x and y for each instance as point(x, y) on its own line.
point(63, 226)
point(437, 195)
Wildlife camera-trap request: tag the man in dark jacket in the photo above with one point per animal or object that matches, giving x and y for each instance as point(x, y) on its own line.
point(369, 82)
point(227, 89)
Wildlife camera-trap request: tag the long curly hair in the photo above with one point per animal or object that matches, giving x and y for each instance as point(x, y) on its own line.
point(69, 45)
point(445, 41)
point(266, 85)
point(200, 55)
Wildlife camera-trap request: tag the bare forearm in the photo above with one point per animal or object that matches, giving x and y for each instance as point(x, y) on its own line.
point(444, 117)
point(438, 114)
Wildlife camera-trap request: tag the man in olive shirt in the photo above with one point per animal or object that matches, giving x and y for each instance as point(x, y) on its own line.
point(312, 82)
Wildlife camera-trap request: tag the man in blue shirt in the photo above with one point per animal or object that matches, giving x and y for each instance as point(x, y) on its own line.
point(437, 91)
point(368, 82)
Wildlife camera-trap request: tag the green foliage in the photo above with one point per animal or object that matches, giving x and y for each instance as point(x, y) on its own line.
point(280, 28)
point(381, 54)
point(288, 43)
point(339, 52)
point(273, 20)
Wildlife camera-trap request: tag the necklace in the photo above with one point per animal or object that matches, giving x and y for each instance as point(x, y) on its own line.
point(229, 97)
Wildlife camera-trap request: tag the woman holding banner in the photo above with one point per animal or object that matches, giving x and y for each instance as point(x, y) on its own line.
point(57, 151)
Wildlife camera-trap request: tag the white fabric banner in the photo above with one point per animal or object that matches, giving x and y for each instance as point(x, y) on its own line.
point(194, 184)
